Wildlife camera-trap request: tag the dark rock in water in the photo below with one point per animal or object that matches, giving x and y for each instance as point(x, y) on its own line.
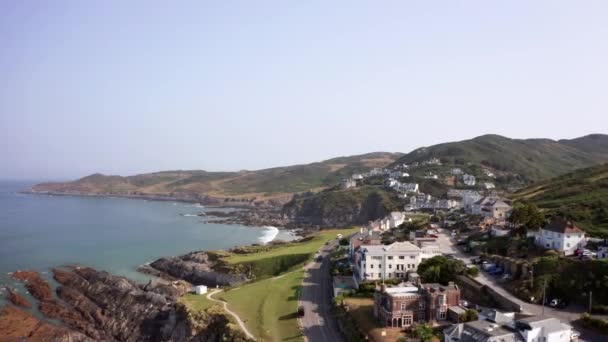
point(19, 325)
point(196, 268)
point(34, 283)
point(95, 305)
point(17, 299)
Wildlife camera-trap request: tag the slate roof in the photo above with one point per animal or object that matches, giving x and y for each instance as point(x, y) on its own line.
point(563, 226)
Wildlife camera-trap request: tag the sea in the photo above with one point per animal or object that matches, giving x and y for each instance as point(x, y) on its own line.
point(38, 232)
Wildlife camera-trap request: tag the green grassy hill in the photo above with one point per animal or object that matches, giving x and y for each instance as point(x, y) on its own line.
point(530, 159)
point(581, 195)
point(251, 184)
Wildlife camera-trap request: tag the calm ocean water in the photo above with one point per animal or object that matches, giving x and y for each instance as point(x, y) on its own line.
point(113, 234)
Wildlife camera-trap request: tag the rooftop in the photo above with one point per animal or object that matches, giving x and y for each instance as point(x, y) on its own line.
point(563, 226)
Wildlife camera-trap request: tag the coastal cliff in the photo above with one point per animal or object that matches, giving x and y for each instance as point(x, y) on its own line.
point(93, 305)
point(340, 208)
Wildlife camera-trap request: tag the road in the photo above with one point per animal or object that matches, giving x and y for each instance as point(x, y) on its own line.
point(318, 323)
point(568, 315)
point(236, 317)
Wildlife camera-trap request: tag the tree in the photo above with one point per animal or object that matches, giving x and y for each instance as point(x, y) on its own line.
point(343, 242)
point(424, 332)
point(526, 217)
point(440, 269)
point(468, 316)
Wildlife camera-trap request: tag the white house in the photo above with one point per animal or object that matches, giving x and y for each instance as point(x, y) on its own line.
point(468, 179)
point(561, 235)
point(489, 186)
point(503, 327)
point(468, 199)
point(390, 261)
point(456, 171)
point(396, 218)
point(348, 183)
point(357, 176)
point(200, 289)
point(409, 187)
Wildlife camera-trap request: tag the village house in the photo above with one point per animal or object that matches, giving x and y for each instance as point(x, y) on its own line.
point(456, 171)
point(392, 261)
point(499, 230)
point(489, 186)
point(408, 187)
point(364, 237)
point(491, 207)
point(396, 218)
point(406, 304)
point(357, 176)
point(468, 180)
point(561, 235)
point(504, 327)
point(348, 183)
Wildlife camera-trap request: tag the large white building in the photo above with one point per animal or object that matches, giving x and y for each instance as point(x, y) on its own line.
point(391, 261)
point(561, 235)
point(503, 327)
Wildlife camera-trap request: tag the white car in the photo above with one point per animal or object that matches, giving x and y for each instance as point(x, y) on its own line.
point(574, 335)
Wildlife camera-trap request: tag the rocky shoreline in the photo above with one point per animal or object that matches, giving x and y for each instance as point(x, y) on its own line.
point(93, 305)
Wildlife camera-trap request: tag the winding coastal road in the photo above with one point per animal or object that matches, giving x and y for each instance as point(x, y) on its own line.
point(318, 323)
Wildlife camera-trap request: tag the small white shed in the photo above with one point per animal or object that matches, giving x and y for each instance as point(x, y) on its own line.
point(200, 289)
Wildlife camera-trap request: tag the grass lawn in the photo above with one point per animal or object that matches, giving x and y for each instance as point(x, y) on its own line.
point(269, 307)
point(196, 302)
point(362, 311)
point(306, 247)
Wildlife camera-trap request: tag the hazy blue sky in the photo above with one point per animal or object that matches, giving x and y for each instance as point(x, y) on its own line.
point(123, 87)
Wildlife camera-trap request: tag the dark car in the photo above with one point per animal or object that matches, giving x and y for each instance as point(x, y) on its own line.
point(300, 311)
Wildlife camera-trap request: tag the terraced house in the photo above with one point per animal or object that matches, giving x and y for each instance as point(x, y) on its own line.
point(406, 304)
point(375, 262)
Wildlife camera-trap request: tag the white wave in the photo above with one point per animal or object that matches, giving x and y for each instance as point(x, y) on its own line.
point(269, 234)
point(198, 206)
point(189, 215)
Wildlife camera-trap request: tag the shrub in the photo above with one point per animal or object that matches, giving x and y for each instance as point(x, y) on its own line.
point(599, 309)
point(473, 271)
point(597, 324)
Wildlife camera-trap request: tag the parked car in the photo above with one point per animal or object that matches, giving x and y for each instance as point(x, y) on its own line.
point(486, 266)
point(496, 271)
point(579, 251)
point(434, 236)
point(464, 303)
point(301, 311)
point(574, 335)
point(558, 303)
point(476, 261)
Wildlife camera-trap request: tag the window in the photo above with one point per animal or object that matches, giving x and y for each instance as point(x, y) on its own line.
point(421, 304)
point(379, 265)
point(390, 275)
point(441, 300)
point(390, 257)
point(390, 266)
point(371, 265)
point(412, 257)
point(402, 306)
point(407, 320)
point(441, 314)
point(568, 245)
point(401, 257)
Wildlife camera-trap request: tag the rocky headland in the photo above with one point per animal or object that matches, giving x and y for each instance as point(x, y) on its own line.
point(91, 305)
